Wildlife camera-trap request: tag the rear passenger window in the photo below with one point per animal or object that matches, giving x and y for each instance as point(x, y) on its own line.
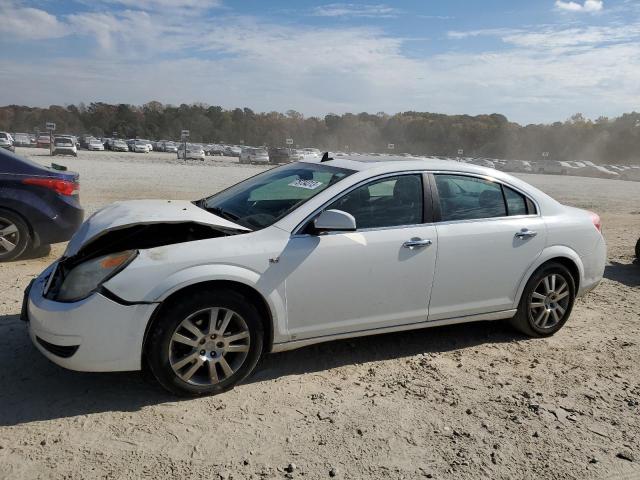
point(469, 198)
point(516, 203)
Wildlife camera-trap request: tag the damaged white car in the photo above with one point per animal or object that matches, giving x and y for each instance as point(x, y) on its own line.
point(306, 253)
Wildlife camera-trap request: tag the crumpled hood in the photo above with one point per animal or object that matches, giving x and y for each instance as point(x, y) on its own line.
point(121, 215)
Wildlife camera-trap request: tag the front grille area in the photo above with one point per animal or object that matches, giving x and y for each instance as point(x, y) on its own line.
point(64, 351)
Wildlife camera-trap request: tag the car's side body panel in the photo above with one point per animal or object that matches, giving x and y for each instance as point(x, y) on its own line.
point(250, 259)
point(292, 345)
point(345, 282)
point(481, 263)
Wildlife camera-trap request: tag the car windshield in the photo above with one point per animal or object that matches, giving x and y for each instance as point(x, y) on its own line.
point(260, 201)
point(63, 141)
point(4, 135)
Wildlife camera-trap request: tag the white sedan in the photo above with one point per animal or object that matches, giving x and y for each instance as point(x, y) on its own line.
point(307, 253)
point(140, 146)
point(96, 145)
point(193, 152)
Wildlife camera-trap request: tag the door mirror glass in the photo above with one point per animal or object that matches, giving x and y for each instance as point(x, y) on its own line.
point(335, 221)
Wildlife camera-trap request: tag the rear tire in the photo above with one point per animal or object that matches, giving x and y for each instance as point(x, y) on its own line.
point(15, 237)
point(192, 355)
point(546, 302)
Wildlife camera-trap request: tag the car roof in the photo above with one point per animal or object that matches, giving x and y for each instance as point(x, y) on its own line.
point(395, 163)
point(371, 165)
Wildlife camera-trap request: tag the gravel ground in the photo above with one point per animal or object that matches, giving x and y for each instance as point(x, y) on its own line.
point(467, 401)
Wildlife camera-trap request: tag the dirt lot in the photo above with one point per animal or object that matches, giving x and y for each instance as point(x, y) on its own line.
point(474, 401)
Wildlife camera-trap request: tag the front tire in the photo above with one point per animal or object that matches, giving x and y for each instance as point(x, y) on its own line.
point(206, 343)
point(15, 237)
point(638, 249)
point(547, 301)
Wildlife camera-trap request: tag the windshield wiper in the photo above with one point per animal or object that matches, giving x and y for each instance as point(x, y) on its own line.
point(222, 213)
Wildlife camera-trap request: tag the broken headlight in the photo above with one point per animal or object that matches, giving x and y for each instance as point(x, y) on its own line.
point(86, 277)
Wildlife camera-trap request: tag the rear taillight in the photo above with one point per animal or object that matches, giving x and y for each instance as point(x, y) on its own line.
point(595, 218)
point(63, 187)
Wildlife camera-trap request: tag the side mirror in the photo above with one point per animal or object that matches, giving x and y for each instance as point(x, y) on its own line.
point(335, 221)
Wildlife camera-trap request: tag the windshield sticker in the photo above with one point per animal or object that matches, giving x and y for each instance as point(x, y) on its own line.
point(308, 184)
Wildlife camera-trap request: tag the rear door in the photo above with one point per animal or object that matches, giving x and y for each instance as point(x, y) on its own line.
point(489, 234)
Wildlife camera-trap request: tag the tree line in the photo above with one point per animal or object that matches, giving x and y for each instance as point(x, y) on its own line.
point(604, 140)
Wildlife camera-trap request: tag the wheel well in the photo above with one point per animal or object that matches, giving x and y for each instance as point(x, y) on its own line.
point(254, 296)
point(571, 266)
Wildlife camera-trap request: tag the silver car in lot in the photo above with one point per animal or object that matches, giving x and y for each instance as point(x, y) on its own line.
point(119, 146)
point(170, 147)
point(6, 141)
point(64, 146)
point(193, 152)
point(254, 155)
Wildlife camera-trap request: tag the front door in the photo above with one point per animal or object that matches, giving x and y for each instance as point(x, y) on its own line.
point(368, 279)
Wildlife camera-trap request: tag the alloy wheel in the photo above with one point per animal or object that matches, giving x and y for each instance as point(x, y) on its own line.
point(549, 301)
point(209, 346)
point(9, 236)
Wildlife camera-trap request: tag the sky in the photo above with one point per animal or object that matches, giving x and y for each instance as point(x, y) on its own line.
point(535, 61)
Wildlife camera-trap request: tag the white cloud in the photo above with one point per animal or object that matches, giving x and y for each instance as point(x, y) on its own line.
point(355, 10)
point(540, 74)
point(488, 32)
point(29, 23)
point(163, 5)
point(587, 6)
point(557, 37)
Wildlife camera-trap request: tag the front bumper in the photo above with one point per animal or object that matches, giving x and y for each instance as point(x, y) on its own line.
point(64, 151)
point(108, 335)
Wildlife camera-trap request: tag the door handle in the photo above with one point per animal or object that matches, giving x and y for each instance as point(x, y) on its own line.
point(526, 233)
point(416, 243)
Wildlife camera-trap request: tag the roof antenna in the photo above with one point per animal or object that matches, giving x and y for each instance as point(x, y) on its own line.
point(325, 157)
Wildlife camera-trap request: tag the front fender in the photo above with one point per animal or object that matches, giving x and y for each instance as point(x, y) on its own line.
point(549, 253)
point(272, 294)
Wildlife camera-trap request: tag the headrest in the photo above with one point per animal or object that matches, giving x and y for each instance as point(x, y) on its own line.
point(408, 189)
point(444, 189)
point(490, 198)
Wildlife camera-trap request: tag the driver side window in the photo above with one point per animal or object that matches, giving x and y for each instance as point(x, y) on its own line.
point(388, 202)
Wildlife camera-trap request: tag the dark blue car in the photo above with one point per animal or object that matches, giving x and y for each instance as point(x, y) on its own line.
point(38, 205)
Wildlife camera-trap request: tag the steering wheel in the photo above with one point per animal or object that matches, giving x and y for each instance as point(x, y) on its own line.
point(259, 220)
